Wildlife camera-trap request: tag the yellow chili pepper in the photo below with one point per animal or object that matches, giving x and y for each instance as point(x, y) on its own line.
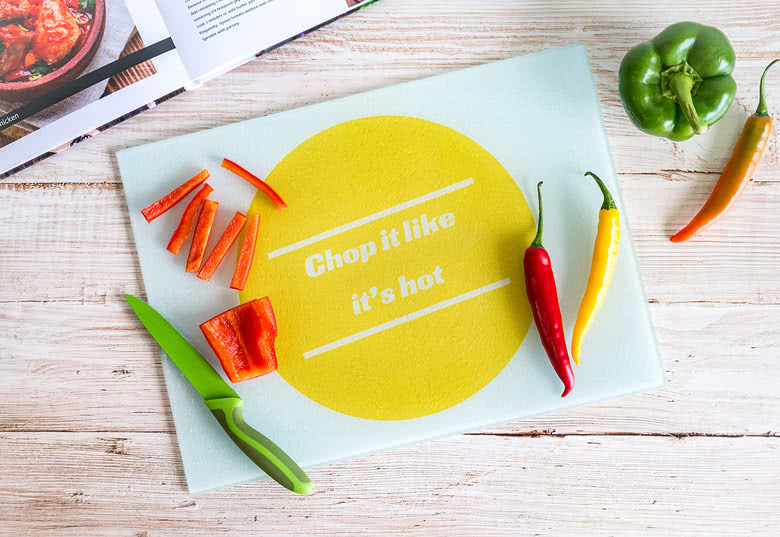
point(601, 268)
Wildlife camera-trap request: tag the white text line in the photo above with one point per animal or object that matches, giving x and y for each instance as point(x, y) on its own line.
point(370, 218)
point(406, 318)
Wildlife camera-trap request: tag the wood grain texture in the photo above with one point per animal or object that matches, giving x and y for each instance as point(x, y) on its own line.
point(465, 485)
point(86, 435)
point(133, 74)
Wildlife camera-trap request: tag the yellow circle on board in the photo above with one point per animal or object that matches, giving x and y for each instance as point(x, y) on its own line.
point(396, 273)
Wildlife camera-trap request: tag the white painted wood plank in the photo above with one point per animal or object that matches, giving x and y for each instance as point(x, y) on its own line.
point(721, 374)
point(80, 485)
point(69, 243)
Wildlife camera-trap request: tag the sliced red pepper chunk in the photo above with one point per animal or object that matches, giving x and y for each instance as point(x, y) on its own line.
point(223, 245)
point(19, 74)
point(247, 255)
point(184, 228)
point(243, 339)
point(201, 237)
point(259, 183)
point(29, 60)
point(167, 202)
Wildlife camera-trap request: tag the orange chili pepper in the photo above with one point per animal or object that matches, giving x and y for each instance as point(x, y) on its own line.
point(738, 171)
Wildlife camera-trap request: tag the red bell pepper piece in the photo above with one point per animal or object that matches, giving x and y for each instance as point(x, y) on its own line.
point(19, 74)
point(201, 237)
point(29, 60)
point(223, 245)
point(543, 296)
point(184, 229)
point(166, 202)
point(243, 339)
point(259, 183)
point(247, 255)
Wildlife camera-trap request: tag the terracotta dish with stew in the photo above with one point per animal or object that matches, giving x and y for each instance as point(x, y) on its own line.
point(45, 44)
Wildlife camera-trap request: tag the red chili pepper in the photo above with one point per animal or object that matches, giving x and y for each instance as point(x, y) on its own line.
point(243, 339)
point(223, 245)
point(184, 228)
point(247, 255)
point(259, 183)
point(166, 202)
point(202, 232)
point(543, 296)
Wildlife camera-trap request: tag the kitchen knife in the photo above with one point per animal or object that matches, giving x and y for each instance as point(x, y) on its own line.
point(222, 400)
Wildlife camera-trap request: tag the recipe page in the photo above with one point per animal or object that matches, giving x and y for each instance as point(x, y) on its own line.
point(213, 36)
point(116, 57)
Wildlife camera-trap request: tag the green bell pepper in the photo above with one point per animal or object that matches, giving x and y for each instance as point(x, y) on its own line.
point(679, 83)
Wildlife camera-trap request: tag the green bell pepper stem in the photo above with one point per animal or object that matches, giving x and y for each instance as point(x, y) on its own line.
point(681, 85)
point(537, 242)
point(762, 109)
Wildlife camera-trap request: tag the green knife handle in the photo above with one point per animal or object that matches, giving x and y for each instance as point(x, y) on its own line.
point(264, 453)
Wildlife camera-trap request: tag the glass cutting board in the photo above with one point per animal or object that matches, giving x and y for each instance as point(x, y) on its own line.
point(396, 272)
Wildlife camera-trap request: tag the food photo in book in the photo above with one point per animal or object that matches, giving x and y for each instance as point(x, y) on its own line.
point(46, 38)
point(70, 69)
point(47, 44)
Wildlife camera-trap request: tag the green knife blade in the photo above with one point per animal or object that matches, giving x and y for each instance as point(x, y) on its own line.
point(189, 361)
point(222, 400)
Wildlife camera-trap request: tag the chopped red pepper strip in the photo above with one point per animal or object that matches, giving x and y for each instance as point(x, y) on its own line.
point(223, 245)
point(259, 183)
point(166, 202)
point(243, 339)
point(184, 228)
point(247, 255)
point(201, 237)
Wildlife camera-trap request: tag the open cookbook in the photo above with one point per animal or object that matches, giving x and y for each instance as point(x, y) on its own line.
point(72, 68)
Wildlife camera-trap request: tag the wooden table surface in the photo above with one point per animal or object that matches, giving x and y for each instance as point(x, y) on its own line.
point(87, 444)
